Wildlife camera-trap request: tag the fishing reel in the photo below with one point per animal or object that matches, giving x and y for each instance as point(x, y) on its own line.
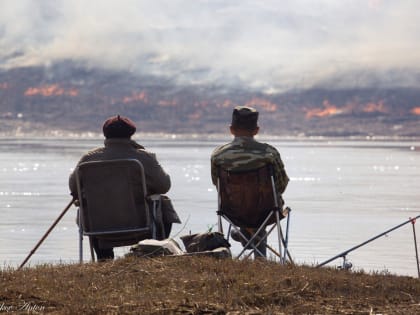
point(347, 265)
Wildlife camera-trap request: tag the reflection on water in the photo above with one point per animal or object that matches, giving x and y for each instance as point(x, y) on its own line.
point(341, 194)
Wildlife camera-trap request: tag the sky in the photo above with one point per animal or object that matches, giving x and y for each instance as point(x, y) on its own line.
point(270, 45)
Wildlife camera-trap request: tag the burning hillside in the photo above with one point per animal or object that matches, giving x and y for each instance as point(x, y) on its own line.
point(50, 90)
point(67, 97)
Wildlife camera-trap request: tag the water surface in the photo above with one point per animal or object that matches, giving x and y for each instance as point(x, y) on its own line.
point(341, 194)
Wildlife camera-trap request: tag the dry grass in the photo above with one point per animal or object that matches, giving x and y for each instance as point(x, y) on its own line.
point(202, 285)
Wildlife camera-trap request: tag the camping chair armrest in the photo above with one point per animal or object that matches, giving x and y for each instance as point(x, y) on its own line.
point(154, 197)
point(285, 212)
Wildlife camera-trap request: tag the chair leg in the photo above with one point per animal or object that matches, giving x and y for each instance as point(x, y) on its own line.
point(286, 241)
point(92, 255)
point(154, 221)
point(249, 242)
point(219, 223)
point(268, 246)
point(79, 222)
point(275, 252)
point(158, 227)
point(161, 234)
point(80, 245)
point(219, 216)
point(286, 249)
point(219, 207)
point(279, 234)
point(228, 232)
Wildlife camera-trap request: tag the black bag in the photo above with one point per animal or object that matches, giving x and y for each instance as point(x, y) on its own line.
point(202, 242)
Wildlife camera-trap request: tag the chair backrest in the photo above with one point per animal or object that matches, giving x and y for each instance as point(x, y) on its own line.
point(247, 197)
point(113, 204)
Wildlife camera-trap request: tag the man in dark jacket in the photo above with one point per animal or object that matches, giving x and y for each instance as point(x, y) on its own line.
point(118, 145)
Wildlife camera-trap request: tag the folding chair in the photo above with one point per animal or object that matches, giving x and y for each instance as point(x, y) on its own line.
point(248, 199)
point(114, 206)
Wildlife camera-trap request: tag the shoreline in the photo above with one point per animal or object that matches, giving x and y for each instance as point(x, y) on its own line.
point(160, 285)
point(66, 135)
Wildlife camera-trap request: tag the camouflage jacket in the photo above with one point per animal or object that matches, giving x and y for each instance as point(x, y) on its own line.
point(157, 180)
point(245, 153)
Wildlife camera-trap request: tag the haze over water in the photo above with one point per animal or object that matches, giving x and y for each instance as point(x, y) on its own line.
point(341, 194)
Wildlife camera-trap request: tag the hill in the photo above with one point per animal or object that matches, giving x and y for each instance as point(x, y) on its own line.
point(71, 97)
point(207, 286)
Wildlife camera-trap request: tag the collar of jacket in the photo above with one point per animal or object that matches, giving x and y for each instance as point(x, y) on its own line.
point(243, 139)
point(120, 141)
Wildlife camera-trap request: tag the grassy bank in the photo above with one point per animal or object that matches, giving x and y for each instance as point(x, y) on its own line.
point(202, 285)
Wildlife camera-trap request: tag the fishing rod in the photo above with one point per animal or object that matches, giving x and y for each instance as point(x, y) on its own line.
point(46, 233)
point(344, 254)
point(413, 221)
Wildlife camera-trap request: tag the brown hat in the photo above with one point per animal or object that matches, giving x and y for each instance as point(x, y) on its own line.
point(118, 127)
point(244, 117)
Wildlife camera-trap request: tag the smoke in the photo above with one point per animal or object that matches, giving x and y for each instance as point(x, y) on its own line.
point(270, 45)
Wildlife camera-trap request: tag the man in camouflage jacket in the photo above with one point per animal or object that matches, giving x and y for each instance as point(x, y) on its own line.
point(245, 153)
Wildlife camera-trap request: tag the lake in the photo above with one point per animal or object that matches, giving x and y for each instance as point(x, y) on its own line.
point(342, 192)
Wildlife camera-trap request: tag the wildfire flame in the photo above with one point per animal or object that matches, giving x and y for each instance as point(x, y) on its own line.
point(328, 110)
point(416, 111)
point(167, 103)
point(262, 103)
point(4, 85)
point(227, 104)
point(195, 116)
point(201, 104)
point(374, 107)
point(136, 97)
point(259, 103)
point(51, 90)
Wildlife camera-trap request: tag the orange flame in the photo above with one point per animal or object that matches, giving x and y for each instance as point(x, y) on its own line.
point(328, 110)
point(168, 103)
point(136, 97)
point(259, 103)
point(262, 103)
point(195, 116)
point(201, 104)
point(4, 85)
point(51, 90)
point(226, 103)
point(374, 107)
point(415, 111)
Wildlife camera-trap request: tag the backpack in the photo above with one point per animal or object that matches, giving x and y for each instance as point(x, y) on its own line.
point(202, 242)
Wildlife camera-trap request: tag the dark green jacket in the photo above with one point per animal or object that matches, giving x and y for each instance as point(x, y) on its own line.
point(245, 153)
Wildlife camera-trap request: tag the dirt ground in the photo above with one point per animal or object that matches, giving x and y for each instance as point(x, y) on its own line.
point(203, 285)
